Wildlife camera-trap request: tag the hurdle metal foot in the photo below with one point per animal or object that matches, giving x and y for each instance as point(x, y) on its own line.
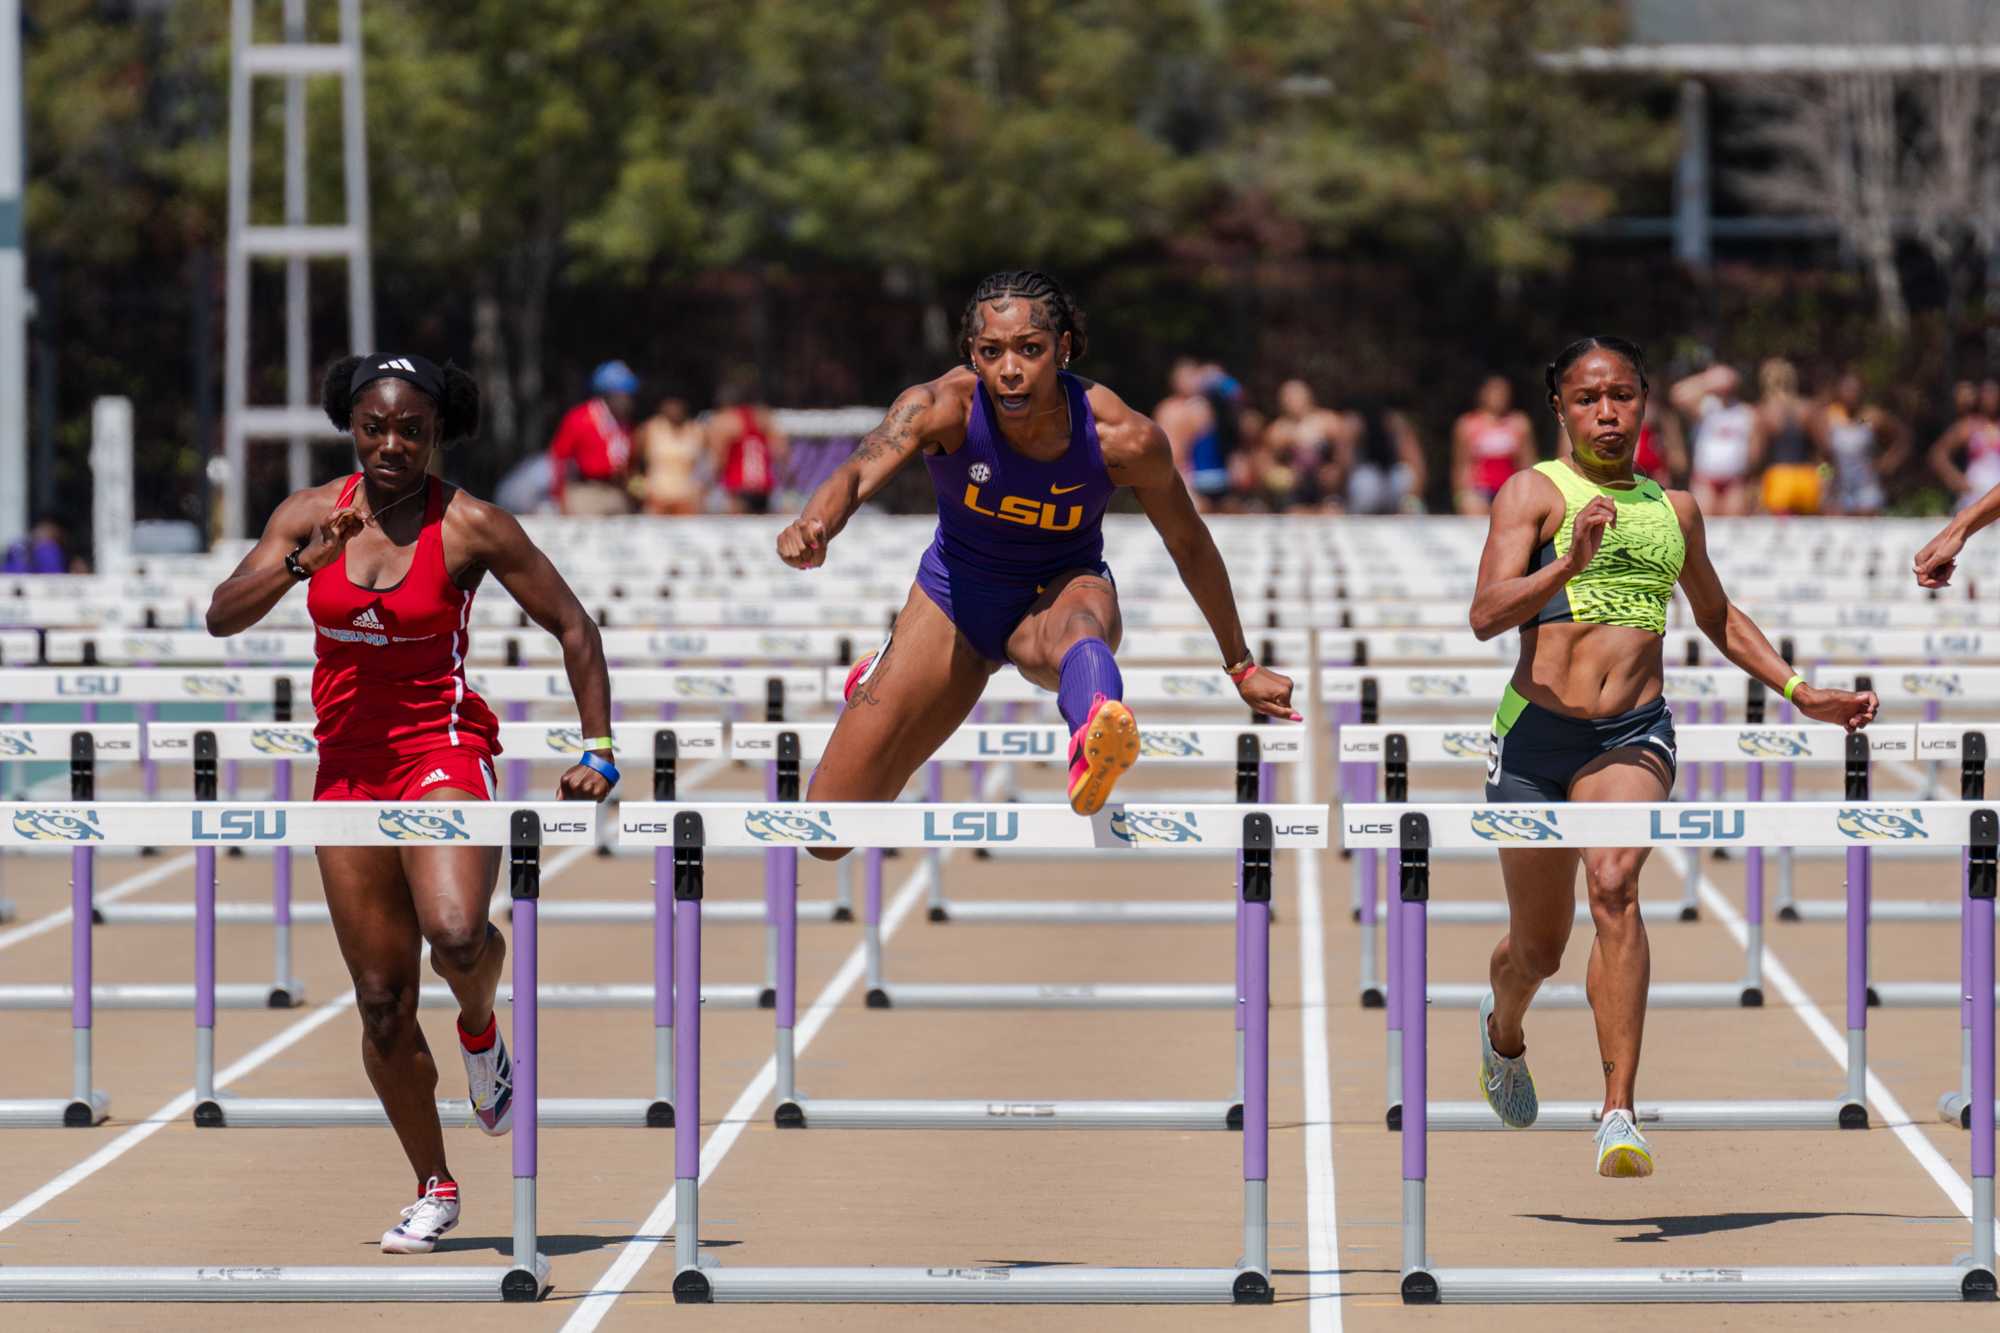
point(1893, 909)
point(55, 1112)
point(1495, 913)
point(1662, 995)
point(1372, 997)
point(1692, 1115)
point(1607, 1286)
point(1085, 913)
point(884, 1113)
point(1054, 995)
point(620, 995)
point(974, 1286)
point(376, 1282)
point(148, 995)
point(1918, 995)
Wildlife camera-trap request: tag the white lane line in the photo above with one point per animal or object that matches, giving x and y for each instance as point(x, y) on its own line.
point(1895, 1118)
point(1322, 1224)
point(125, 888)
point(178, 1108)
point(591, 1310)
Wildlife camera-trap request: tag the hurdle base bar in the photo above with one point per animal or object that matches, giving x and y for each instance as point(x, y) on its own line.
point(1049, 995)
point(55, 1112)
point(974, 1286)
point(835, 1113)
point(1692, 1115)
point(1894, 909)
point(1662, 995)
point(149, 995)
point(1955, 1108)
point(621, 995)
point(1688, 1286)
point(378, 1282)
point(1097, 913)
point(297, 1112)
point(1495, 913)
point(1918, 995)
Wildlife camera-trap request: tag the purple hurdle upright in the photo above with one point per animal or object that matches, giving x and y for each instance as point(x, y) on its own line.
point(1854, 1110)
point(1410, 983)
point(527, 1278)
point(1979, 888)
point(687, 887)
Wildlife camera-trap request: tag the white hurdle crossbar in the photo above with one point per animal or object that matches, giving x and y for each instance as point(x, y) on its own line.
point(524, 829)
point(83, 747)
point(1411, 834)
point(692, 830)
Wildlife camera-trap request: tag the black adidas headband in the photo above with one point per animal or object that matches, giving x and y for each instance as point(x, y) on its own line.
point(410, 369)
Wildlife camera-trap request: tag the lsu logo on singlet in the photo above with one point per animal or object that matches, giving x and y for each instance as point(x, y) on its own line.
point(1028, 513)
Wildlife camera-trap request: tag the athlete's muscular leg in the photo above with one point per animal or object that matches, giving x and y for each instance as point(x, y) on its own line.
point(380, 941)
point(923, 687)
point(452, 888)
point(1621, 961)
point(1080, 604)
point(1541, 908)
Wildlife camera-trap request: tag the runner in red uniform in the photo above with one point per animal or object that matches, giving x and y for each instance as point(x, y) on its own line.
point(391, 557)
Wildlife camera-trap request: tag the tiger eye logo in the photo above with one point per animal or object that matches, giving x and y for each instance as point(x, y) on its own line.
point(1440, 687)
point(211, 687)
point(57, 826)
point(1882, 824)
point(1468, 744)
point(564, 740)
point(274, 740)
point(788, 825)
point(1154, 826)
point(407, 825)
point(1168, 744)
point(1773, 744)
point(1508, 826)
point(1933, 684)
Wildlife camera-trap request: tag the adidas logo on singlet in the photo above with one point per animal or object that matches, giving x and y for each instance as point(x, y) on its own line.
point(367, 619)
point(435, 775)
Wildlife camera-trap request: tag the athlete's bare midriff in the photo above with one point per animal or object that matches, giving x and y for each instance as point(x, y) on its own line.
point(1592, 671)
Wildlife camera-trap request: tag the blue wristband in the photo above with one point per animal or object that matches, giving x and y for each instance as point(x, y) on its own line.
point(607, 768)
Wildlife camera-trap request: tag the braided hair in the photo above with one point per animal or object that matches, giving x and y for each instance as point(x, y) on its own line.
point(1581, 348)
point(1064, 315)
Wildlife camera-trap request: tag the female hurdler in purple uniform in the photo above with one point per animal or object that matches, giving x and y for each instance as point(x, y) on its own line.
point(1024, 457)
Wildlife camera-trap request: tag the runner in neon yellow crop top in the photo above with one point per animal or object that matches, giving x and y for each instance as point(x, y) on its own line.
point(1586, 572)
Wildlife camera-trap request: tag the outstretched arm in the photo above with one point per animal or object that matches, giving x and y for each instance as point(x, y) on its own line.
point(1939, 557)
point(1739, 639)
point(300, 524)
point(922, 415)
point(1137, 454)
point(495, 540)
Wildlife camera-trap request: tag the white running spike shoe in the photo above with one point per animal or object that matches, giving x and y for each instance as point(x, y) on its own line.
point(1622, 1154)
point(424, 1221)
point(1504, 1080)
point(489, 1081)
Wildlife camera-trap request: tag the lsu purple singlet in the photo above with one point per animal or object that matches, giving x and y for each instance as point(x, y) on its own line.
point(1007, 523)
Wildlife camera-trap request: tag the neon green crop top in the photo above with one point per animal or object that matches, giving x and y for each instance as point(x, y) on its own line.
point(1632, 577)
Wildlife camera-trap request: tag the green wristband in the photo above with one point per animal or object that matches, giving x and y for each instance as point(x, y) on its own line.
point(604, 742)
point(1792, 684)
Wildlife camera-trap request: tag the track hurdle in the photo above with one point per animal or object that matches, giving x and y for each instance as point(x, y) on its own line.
point(694, 831)
point(84, 748)
point(1412, 835)
point(524, 830)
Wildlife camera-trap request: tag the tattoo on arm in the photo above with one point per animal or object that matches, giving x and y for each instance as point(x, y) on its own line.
point(894, 433)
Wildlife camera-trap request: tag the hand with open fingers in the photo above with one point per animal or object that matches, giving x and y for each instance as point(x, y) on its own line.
point(1587, 532)
point(1938, 560)
point(1268, 693)
point(330, 538)
point(802, 544)
point(582, 783)
point(1843, 708)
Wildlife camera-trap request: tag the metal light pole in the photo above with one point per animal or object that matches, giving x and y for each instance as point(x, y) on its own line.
point(13, 287)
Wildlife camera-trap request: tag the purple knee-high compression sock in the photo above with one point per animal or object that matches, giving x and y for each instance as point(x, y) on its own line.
point(1088, 670)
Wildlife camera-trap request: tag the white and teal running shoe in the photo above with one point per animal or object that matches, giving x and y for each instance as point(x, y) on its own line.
point(1508, 1086)
point(1621, 1153)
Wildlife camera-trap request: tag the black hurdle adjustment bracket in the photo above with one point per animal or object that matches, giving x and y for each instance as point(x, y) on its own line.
point(1983, 855)
point(1972, 767)
point(204, 766)
point(1257, 844)
point(1371, 701)
point(513, 651)
point(1692, 657)
point(1857, 766)
point(82, 766)
point(1396, 767)
point(1753, 703)
point(788, 765)
point(666, 754)
point(1249, 766)
point(1413, 831)
point(843, 651)
point(774, 699)
point(689, 839)
point(524, 869)
point(281, 699)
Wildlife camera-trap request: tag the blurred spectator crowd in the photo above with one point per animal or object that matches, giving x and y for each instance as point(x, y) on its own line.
point(1786, 451)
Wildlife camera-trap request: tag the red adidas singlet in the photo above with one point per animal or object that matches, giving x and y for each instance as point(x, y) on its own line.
point(389, 681)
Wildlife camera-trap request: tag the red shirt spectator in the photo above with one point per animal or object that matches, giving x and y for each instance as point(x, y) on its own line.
point(593, 440)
